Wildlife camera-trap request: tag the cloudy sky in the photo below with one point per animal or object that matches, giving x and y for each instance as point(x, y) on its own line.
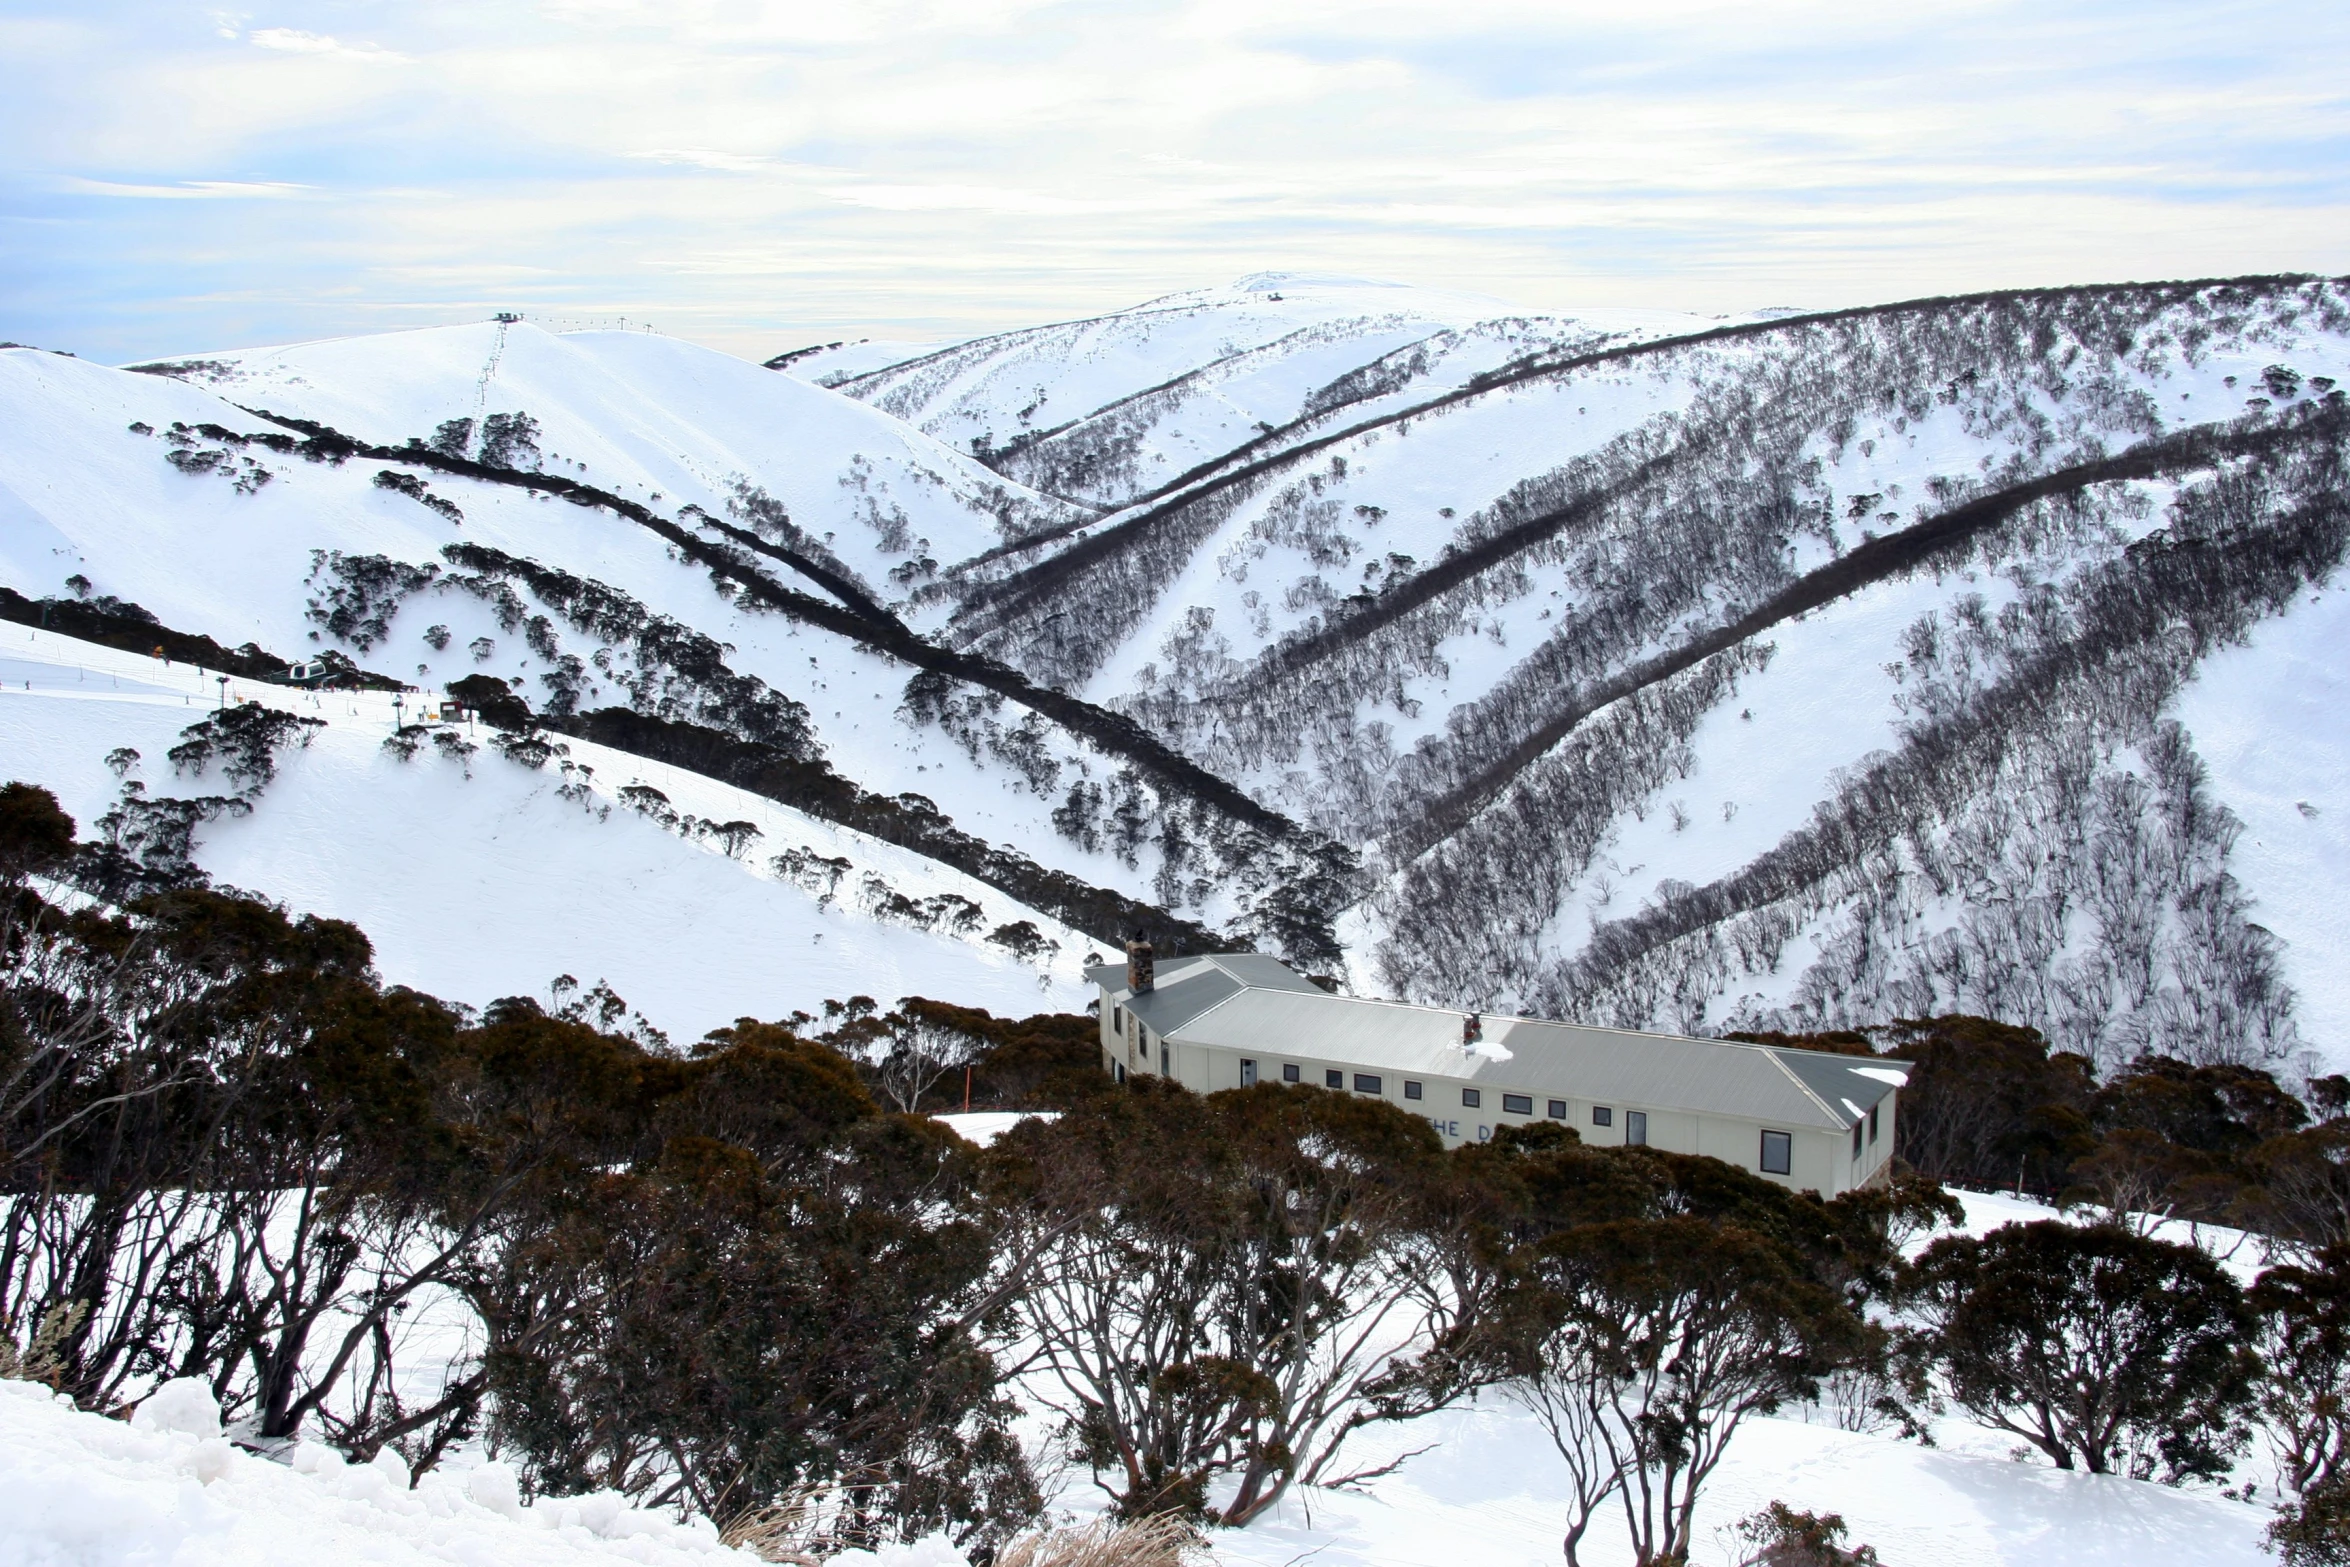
point(758, 175)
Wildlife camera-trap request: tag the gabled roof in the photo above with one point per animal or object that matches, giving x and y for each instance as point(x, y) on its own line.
point(1185, 988)
point(1257, 1003)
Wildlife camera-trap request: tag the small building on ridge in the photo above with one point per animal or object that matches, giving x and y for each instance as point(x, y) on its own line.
point(1811, 1119)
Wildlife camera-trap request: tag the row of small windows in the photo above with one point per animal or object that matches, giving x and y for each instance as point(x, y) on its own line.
point(1778, 1148)
point(1635, 1121)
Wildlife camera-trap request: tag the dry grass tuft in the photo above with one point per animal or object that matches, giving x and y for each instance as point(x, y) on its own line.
point(778, 1532)
point(42, 1360)
point(1165, 1541)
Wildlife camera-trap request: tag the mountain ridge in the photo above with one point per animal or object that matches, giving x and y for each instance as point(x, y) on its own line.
point(1462, 634)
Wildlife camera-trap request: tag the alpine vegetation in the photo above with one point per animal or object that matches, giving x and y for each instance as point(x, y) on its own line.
point(524, 845)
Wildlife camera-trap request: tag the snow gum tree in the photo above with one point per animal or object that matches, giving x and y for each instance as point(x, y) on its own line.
point(777, 1293)
point(1222, 1289)
point(2304, 1397)
point(2109, 1351)
point(1663, 1299)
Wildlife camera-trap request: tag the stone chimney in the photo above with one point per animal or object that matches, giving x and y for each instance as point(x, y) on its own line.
point(1472, 1031)
point(1140, 969)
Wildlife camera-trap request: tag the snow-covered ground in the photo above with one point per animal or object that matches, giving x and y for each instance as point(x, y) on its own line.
point(642, 416)
point(477, 879)
point(1486, 1493)
point(83, 492)
point(79, 1490)
point(167, 1490)
point(1477, 1484)
point(1484, 1490)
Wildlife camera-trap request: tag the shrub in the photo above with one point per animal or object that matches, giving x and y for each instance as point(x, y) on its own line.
point(2108, 1351)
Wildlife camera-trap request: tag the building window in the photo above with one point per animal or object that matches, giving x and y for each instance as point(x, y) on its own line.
point(1472, 1098)
point(1636, 1128)
point(1365, 1083)
point(1859, 1131)
point(1872, 1126)
point(1601, 1115)
point(1778, 1153)
point(1411, 1090)
point(1121, 1071)
point(1118, 1021)
point(1248, 1074)
point(1558, 1109)
point(1517, 1104)
point(1333, 1078)
point(1289, 1071)
point(1166, 1055)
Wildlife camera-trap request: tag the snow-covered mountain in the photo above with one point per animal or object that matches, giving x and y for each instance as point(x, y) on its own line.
point(1787, 670)
point(1105, 410)
point(1792, 672)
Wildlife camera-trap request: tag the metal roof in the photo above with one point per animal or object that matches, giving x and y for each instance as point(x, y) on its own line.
point(1184, 988)
point(1258, 1004)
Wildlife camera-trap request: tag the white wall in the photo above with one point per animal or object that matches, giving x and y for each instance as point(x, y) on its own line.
point(1822, 1161)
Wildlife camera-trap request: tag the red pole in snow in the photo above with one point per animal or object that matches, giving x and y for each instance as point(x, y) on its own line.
point(966, 1088)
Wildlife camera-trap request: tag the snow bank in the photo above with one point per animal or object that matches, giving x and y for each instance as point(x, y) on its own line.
point(1488, 1494)
point(80, 1489)
point(922, 1553)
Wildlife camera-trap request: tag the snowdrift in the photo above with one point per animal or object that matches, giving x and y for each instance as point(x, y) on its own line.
point(1484, 1496)
point(168, 1487)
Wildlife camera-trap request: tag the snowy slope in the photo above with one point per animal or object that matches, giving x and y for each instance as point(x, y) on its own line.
point(1483, 1484)
point(1474, 1483)
point(1070, 369)
point(1487, 1493)
point(829, 364)
point(647, 416)
point(77, 1488)
point(1106, 409)
point(476, 878)
point(1787, 671)
point(1570, 651)
point(81, 491)
point(2272, 720)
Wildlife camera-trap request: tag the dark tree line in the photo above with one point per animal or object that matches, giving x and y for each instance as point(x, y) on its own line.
point(751, 1272)
point(710, 1278)
point(1991, 1106)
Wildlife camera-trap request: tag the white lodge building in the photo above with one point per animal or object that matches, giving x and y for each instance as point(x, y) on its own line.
point(1813, 1120)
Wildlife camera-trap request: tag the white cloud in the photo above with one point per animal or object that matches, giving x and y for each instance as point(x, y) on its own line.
point(706, 158)
point(289, 40)
point(190, 190)
point(773, 168)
